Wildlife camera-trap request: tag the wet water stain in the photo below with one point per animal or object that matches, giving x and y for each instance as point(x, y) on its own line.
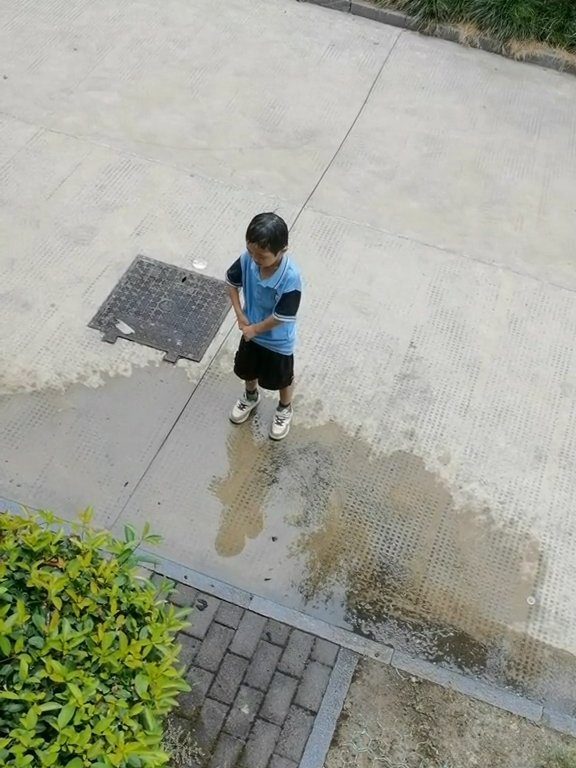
point(453, 585)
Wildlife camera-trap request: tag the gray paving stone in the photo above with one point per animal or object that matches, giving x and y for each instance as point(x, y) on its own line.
point(209, 723)
point(183, 595)
point(243, 712)
point(204, 610)
point(263, 665)
point(279, 698)
point(229, 615)
point(281, 762)
point(200, 680)
point(227, 752)
point(214, 646)
point(314, 683)
point(325, 652)
point(276, 633)
point(229, 678)
point(248, 634)
point(296, 654)
point(260, 745)
point(295, 734)
point(188, 649)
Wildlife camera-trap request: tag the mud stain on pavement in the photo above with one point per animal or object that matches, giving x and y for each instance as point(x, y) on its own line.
point(453, 585)
point(253, 469)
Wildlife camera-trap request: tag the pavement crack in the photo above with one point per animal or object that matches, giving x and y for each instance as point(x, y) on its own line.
point(350, 129)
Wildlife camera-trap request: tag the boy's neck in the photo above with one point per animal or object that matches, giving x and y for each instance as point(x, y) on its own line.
point(268, 271)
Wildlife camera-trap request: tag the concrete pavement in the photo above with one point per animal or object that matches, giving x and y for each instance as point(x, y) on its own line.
point(425, 496)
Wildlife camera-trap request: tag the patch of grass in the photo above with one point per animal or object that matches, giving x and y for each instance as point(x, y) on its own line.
point(552, 22)
point(180, 745)
point(560, 758)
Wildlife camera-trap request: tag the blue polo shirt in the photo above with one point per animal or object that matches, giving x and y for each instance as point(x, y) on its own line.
point(278, 295)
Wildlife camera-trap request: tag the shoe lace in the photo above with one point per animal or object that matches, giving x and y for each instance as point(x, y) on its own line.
point(282, 417)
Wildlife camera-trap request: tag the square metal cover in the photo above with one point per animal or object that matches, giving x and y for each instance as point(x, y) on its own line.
point(165, 307)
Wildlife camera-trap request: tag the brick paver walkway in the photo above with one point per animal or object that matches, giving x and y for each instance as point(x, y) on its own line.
point(257, 684)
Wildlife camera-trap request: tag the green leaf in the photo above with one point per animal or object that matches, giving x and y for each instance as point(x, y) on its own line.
point(76, 762)
point(5, 646)
point(129, 532)
point(66, 714)
point(30, 719)
point(87, 516)
point(39, 621)
point(48, 757)
point(9, 695)
point(23, 671)
point(141, 684)
point(77, 693)
point(36, 641)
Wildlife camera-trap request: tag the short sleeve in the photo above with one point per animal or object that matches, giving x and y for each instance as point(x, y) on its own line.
point(287, 306)
point(234, 274)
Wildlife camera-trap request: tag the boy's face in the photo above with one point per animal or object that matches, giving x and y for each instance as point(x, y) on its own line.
point(262, 256)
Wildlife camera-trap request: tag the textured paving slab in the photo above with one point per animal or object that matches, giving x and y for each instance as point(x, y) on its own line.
point(188, 84)
point(69, 450)
point(258, 687)
point(396, 508)
point(467, 151)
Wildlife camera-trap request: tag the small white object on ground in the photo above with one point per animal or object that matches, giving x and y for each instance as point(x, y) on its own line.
point(124, 327)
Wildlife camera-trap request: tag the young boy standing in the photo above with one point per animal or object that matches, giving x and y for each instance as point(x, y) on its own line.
point(271, 284)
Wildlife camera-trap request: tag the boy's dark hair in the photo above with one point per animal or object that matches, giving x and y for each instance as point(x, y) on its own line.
point(268, 231)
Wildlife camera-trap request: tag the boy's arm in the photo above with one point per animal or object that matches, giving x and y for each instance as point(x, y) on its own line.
point(284, 312)
point(234, 280)
point(250, 331)
point(234, 294)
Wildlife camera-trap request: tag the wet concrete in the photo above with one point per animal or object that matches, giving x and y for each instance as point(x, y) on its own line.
point(383, 535)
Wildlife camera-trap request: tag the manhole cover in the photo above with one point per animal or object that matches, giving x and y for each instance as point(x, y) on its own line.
point(165, 307)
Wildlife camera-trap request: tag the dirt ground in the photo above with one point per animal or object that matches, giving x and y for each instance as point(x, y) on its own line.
point(393, 720)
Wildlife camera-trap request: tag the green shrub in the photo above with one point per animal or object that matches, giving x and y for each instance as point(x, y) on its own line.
point(87, 651)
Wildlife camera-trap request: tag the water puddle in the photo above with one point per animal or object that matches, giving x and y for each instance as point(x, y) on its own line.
point(453, 585)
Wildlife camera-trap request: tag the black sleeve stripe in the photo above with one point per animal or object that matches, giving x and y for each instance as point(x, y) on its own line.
point(287, 305)
point(234, 274)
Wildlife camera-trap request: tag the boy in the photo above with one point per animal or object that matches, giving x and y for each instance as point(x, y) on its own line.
point(272, 287)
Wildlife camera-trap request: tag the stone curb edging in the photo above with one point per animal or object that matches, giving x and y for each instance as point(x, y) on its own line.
point(394, 18)
point(329, 713)
point(361, 646)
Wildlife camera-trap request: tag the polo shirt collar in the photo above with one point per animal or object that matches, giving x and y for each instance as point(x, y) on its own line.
point(274, 279)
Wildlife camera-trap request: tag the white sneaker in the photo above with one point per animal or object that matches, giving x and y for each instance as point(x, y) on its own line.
point(281, 423)
point(243, 408)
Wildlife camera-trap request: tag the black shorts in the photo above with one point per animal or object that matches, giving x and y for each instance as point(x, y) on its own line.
point(256, 363)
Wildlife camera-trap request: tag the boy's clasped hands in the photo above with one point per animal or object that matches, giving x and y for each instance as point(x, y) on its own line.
point(248, 331)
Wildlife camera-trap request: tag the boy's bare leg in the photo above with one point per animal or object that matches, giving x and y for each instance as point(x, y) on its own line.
point(286, 395)
point(251, 386)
